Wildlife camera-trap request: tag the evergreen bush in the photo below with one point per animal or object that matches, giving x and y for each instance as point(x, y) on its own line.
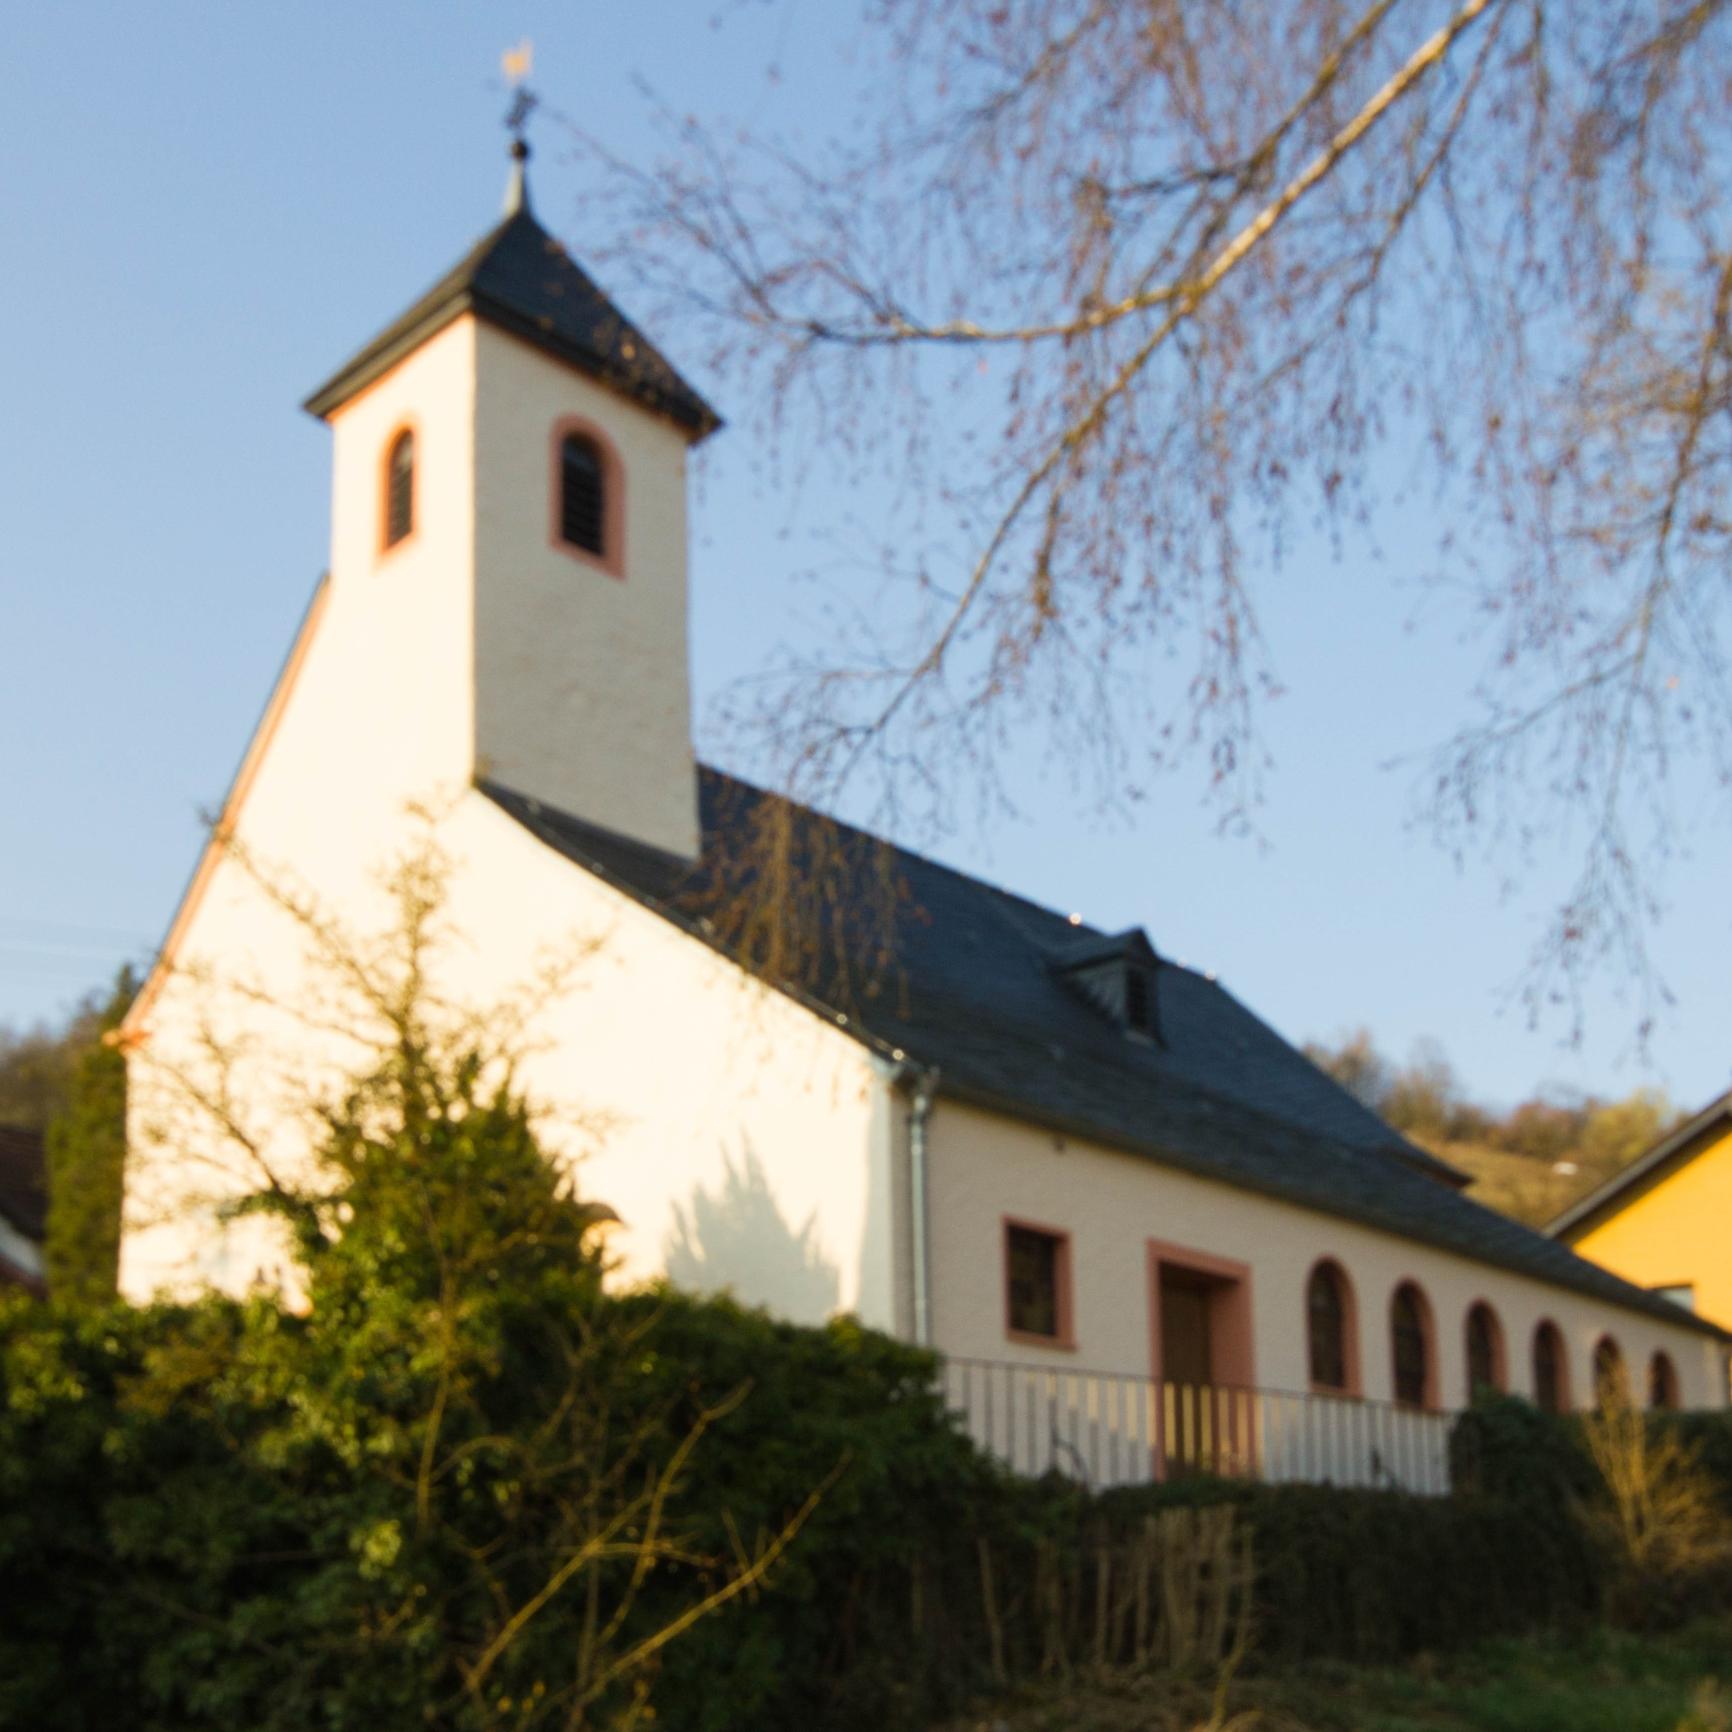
point(201, 1523)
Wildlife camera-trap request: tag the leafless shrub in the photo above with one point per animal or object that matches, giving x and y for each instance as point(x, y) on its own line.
point(1657, 1509)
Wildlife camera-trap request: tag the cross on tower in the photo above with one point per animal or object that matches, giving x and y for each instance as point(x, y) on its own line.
point(516, 63)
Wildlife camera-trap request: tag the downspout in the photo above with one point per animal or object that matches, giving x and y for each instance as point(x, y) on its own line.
point(924, 1083)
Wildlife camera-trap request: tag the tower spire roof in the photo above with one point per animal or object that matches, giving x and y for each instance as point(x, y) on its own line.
point(517, 184)
point(521, 279)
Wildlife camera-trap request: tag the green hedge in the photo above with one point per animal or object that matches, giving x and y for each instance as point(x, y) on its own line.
point(878, 1619)
point(1504, 1447)
point(154, 1551)
point(1364, 1575)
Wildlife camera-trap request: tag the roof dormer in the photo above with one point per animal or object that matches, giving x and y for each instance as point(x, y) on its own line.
point(1117, 974)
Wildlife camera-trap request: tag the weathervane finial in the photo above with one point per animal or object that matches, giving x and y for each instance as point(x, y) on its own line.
point(516, 63)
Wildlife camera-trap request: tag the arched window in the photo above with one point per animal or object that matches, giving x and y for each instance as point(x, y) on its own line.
point(400, 488)
point(1484, 1350)
point(1551, 1370)
point(583, 503)
point(1331, 1329)
point(1410, 1340)
point(1662, 1382)
point(1611, 1381)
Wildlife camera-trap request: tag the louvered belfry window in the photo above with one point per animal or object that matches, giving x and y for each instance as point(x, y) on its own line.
point(400, 489)
point(583, 494)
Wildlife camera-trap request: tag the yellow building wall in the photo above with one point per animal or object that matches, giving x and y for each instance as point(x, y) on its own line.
point(1675, 1232)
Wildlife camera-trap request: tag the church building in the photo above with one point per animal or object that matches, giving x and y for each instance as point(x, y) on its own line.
point(1138, 1225)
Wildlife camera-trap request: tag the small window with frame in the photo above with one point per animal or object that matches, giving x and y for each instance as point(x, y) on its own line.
point(583, 494)
point(1551, 1369)
point(399, 513)
point(1662, 1383)
point(1037, 1284)
point(1139, 1001)
point(1410, 1343)
point(1329, 1315)
point(588, 496)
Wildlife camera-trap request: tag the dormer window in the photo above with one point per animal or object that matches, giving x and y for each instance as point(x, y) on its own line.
point(1118, 975)
point(400, 488)
point(583, 494)
point(1139, 1007)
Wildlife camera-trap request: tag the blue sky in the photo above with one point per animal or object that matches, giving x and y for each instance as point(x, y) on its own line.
point(207, 209)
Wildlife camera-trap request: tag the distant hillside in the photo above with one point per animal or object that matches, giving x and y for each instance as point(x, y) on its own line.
point(1531, 1162)
point(1531, 1190)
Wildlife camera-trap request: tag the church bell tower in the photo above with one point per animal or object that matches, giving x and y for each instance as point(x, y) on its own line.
point(509, 508)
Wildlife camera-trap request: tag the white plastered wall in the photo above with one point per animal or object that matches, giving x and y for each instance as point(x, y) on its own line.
point(474, 644)
point(582, 688)
point(374, 709)
point(738, 1135)
point(715, 1101)
point(984, 1167)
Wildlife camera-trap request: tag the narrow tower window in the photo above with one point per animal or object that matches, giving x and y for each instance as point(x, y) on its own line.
point(400, 488)
point(583, 494)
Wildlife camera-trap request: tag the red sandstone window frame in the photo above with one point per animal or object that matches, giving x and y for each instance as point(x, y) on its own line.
point(1499, 1353)
point(406, 428)
point(1064, 1303)
point(1428, 1396)
point(611, 559)
point(1663, 1392)
point(1353, 1384)
point(1608, 1365)
point(1547, 1329)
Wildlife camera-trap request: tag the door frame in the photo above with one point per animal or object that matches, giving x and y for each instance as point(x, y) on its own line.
point(1232, 1346)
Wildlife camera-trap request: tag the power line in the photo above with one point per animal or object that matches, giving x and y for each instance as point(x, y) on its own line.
point(34, 926)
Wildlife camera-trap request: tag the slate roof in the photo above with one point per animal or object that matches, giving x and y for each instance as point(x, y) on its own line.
point(974, 990)
point(520, 278)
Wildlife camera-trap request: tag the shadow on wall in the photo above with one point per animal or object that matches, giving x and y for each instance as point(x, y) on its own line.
point(736, 1238)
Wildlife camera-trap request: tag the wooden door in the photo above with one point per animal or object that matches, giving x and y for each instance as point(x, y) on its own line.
point(1187, 1372)
point(1186, 1355)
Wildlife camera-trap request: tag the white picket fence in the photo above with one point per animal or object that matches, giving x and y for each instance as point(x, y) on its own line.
point(1108, 1430)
